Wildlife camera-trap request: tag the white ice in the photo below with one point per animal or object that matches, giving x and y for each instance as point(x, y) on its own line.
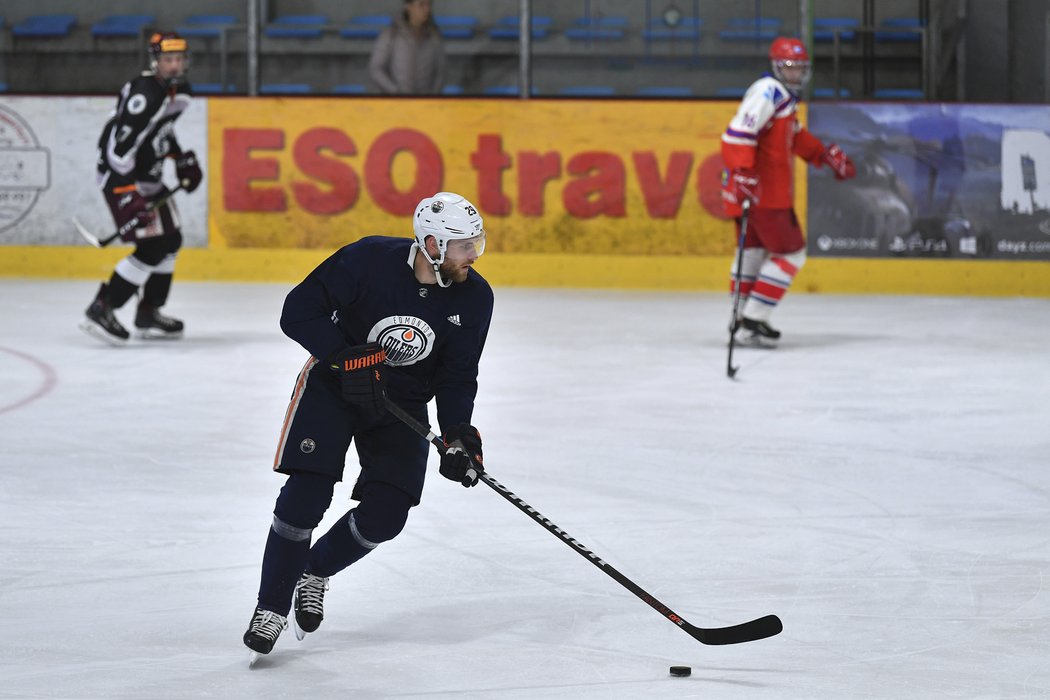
point(880, 482)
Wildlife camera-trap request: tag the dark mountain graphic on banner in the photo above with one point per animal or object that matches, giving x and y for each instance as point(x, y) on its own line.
point(962, 181)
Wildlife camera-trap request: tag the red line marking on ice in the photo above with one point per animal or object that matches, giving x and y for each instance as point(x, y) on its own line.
point(50, 379)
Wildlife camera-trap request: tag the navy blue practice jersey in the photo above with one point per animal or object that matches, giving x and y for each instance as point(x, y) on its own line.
point(433, 336)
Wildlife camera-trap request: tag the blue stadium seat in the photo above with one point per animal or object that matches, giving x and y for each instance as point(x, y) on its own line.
point(378, 20)
point(823, 26)
point(760, 29)
point(898, 94)
point(3, 85)
point(727, 92)
point(606, 28)
point(664, 91)
point(456, 26)
point(829, 93)
point(508, 28)
point(688, 29)
point(121, 25)
point(501, 90)
point(350, 89)
point(297, 27)
point(45, 26)
point(896, 29)
point(205, 26)
point(588, 91)
point(365, 26)
point(212, 88)
point(285, 89)
point(452, 90)
point(505, 90)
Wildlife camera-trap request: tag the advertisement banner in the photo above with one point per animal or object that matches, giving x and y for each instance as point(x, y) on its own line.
point(578, 177)
point(934, 181)
point(48, 150)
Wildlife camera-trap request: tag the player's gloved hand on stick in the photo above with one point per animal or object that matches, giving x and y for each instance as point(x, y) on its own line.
point(840, 164)
point(741, 185)
point(188, 170)
point(362, 374)
point(463, 460)
point(134, 210)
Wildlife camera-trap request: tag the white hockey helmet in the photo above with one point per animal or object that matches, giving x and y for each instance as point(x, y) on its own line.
point(447, 217)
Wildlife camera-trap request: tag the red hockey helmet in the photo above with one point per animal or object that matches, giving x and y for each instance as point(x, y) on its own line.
point(161, 43)
point(790, 62)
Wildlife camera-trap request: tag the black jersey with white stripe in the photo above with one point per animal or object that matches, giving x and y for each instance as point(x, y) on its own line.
point(141, 133)
point(433, 336)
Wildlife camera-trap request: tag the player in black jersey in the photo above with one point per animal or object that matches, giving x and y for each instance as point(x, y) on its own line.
point(136, 140)
point(381, 317)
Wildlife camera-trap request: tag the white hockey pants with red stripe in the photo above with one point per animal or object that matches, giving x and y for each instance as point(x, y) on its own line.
point(764, 279)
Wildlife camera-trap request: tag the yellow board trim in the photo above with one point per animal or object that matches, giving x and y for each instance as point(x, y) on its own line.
point(677, 273)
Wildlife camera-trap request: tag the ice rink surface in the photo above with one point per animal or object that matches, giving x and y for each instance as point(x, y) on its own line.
point(881, 482)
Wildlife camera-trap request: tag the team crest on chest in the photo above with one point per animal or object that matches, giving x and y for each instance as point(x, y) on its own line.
point(406, 339)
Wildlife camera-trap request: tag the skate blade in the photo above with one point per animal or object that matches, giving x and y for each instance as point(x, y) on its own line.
point(95, 331)
point(157, 334)
point(300, 633)
point(253, 656)
point(756, 343)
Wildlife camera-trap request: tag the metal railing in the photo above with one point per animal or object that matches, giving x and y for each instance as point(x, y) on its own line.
point(924, 52)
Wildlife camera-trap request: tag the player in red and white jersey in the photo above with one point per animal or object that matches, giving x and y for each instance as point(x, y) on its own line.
point(757, 149)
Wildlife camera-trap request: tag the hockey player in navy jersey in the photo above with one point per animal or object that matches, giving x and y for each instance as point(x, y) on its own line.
point(134, 144)
point(382, 317)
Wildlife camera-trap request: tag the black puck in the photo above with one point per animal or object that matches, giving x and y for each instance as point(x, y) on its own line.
point(681, 670)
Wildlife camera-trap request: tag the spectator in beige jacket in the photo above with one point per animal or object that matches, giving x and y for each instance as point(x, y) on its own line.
point(408, 58)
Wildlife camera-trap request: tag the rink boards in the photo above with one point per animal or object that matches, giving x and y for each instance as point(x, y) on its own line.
point(619, 194)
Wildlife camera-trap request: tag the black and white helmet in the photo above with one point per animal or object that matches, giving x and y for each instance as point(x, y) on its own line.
point(447, 217)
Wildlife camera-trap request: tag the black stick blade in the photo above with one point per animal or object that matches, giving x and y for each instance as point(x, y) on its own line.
point(768, 626)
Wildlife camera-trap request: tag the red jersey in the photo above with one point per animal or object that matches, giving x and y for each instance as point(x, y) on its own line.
point(763, 136)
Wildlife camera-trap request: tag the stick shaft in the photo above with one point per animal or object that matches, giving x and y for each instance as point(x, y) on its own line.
point(730, 369)
point(129, 224)
point(748, 631)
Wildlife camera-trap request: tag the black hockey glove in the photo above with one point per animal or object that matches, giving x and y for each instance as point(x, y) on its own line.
point(363, 375)
point(463, 461)
point(188, 171)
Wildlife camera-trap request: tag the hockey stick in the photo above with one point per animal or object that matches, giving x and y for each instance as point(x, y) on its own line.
point(129, 225)
point(730, 369)
point(760, 628)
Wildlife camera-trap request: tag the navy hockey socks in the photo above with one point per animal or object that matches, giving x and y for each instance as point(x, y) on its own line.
point(380, 517)
point(303, 499)
point(339, 548)
point(283, 563)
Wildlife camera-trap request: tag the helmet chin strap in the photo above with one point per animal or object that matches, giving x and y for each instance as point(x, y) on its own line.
point(442, 282)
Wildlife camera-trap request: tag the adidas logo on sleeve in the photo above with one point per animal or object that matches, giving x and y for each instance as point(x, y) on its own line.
point(454, 319)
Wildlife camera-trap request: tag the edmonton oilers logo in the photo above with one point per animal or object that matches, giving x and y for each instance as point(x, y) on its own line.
point(406, 339)
point(307, 446)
